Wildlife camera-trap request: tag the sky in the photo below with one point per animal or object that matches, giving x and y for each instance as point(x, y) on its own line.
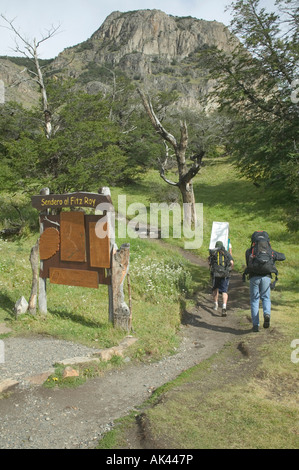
point(79, 19)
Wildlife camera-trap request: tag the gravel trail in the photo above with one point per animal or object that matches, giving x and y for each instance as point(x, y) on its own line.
point(27, 356)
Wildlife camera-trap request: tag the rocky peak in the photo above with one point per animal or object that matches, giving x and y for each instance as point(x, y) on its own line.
point(152, 32)
point(156, 50)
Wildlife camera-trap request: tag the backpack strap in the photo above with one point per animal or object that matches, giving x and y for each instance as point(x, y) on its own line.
point(272, 285)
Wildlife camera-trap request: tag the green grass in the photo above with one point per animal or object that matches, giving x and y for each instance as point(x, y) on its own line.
point(245, 421)
point(239, 415)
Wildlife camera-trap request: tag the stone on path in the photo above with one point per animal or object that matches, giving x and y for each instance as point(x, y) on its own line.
point(70, 372)
point(21, 306)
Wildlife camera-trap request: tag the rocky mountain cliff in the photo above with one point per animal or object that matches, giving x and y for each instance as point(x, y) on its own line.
point(17, 84)
point(151, 48)
point(152, 32)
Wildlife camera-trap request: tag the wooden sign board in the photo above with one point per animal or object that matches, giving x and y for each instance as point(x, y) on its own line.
point(99, 247)
point(49, 243)
point(60, 201)
point(70, 251)
point(72, 235)
point(79, 248)
point(76, 249)
point(74, 277)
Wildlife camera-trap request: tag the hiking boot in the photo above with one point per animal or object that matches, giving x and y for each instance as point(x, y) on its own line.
point(224, 312)
point(255, 328)
point(266, 321)
point(215, 306)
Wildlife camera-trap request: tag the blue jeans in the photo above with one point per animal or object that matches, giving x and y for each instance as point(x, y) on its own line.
point(259, 290)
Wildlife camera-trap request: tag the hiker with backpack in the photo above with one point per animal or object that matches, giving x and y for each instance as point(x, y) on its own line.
point(221, 263)
point(260, 262)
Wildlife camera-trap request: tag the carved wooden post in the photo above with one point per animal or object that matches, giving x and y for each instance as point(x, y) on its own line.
point(110, 216)
point(42, 298)
point(120, 266)
point(34, 265)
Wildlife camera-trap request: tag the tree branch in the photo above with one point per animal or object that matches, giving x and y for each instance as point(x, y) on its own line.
point(51, 33)
point(163, 167)
point(184, 136)
point(12, 27)
point(162, 174)
point(155, 121)
point(31, 49)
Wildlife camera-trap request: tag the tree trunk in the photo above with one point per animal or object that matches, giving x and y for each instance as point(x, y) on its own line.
point(188, 203)
point(42, 297)
point(47, 114)
point(185, 173)
point(34, 265)
point(120, 263)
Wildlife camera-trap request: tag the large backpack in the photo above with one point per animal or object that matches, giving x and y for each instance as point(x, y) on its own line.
point(219, 263)
point(261, 258)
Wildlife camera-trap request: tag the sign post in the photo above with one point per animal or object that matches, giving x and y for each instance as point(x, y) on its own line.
point(78, 249)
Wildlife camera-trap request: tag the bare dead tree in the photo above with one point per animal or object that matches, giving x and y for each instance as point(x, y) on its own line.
point(186, 173)
point(30, 51)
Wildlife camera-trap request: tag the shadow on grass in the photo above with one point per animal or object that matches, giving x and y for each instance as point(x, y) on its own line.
point(292, 286)
point(242, 197)
point(80, 319)
point(239, 196)
point(6, 303)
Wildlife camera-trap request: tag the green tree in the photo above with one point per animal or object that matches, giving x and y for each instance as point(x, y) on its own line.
point(256, 90)
point(82, 154)
point(16, 124)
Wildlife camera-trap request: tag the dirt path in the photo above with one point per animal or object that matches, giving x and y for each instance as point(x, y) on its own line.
point(38, 418)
